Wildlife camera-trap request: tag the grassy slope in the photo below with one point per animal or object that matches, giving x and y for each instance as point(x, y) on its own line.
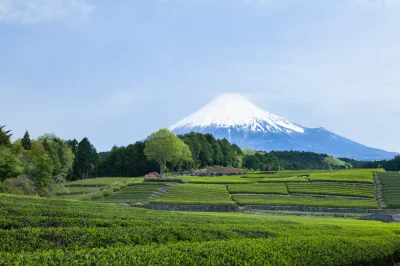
point(50, 231)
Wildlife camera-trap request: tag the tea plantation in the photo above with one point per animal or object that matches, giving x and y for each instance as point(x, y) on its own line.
point(40, 231)
point(390, 183)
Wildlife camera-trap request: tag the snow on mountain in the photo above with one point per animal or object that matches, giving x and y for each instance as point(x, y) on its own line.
point(235, 110)
point(234, 117)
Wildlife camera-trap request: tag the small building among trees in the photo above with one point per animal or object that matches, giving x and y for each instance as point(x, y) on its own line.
point(153, 175)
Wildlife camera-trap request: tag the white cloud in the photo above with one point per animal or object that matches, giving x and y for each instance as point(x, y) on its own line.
point(35, 11)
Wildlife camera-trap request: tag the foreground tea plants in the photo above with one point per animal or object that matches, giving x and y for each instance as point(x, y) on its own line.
point(37, 231)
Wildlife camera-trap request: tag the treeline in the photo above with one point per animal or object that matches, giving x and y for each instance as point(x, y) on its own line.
point(36, 166)
point(388, 165)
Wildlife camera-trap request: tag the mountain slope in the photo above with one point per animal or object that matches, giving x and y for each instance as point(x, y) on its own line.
point(234, 117)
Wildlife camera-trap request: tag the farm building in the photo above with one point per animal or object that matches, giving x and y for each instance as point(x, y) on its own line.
point(153, 175)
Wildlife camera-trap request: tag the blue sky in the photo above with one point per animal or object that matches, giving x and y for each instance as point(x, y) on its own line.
point(115, 71)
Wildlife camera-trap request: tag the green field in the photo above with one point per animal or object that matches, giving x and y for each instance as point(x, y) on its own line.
point(390, 182)
point(196, 194)
point(303, 201)
point(332, 189)
point(40, 231)
point(134, 193)
point(259, 189)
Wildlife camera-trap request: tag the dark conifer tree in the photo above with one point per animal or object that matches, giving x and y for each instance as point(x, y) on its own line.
point(26, 141)
point(5, 136)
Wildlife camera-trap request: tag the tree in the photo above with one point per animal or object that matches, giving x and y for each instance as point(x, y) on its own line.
point(163, 146)
point(10, 164)
point(26, 141)
point(86, 160)
point(5, 136)
point(60, 153)
point(39, 167)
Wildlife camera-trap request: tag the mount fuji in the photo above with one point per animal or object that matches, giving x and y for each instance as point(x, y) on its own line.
point(234, 117)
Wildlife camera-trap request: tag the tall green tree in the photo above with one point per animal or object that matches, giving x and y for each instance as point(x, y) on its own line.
point(60, 153)
point(26, 141)
point(5, 136)
point(39, 167)
point(10, 163)
point(86, 160)
point(163, 146)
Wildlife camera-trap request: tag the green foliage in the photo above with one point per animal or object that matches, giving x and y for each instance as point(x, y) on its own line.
point(10, 163)
point(390, 182)
point(196, 194)
point(5, 136)
point(61, 155)
point(304, 201)
point(126, 161)
point(26, 141)
point(39, 231)
point(39, 167)
point(21, 183)
point(98, 195)
point(207, 151)
point(388, 165)
point(4, 188)
point(163, 146)
point(86, 159)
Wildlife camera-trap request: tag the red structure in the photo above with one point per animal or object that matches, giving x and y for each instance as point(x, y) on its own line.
point(153, 175)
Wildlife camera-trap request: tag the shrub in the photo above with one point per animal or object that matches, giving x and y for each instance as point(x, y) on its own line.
point(10, 190)
point(97, 195)
point(108, 192)
point(21, 182)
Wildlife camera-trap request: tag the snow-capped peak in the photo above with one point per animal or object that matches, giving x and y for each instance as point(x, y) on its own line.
point(236, 110)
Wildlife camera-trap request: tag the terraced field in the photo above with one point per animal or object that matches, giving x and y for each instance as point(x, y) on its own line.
point(98, 182)
point(332, 189)
point(196, 194)
point(138, 192)
point(348, 176)
point(40, 231)
point(259, 189)
point(304, 201)
point(283, 179)
point(390, 182)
